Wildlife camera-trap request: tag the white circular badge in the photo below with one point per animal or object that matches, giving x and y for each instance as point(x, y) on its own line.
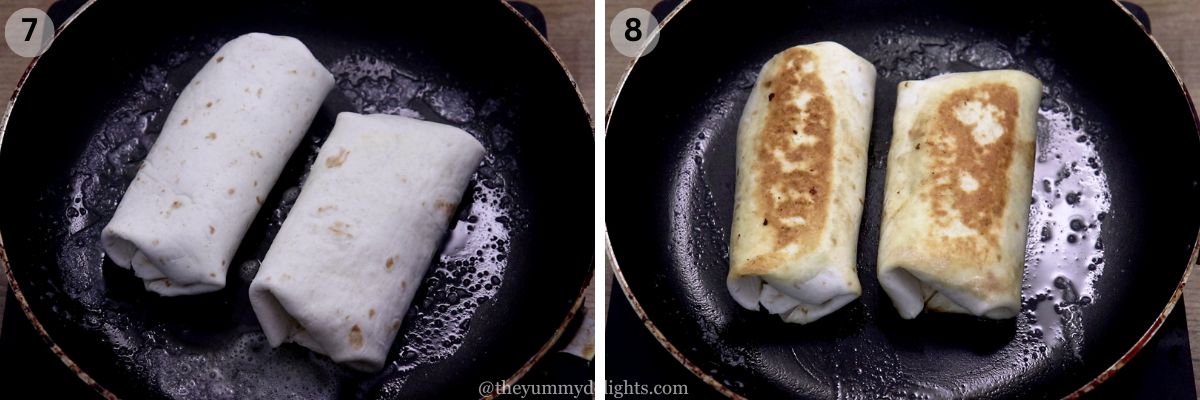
point(28, 32)
point(633, 29)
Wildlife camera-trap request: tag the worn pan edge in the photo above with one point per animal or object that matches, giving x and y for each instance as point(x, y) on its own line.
point(1091, 385)
point(579, 298)
point(12, 281)
point(1178, 293)
point(107, 394)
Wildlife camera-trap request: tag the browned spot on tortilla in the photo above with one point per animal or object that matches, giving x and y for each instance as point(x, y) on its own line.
point(176, 204)
point(446, 206)
point(356, 337)
point(209, 105)
point(231, 191)
point(395, 325)
point(403, 284)
point(293, 72)
point(255, 183)
point(391, 262)
point(154, 242)
point(811, 163)
point(220, 58)
point(953, 152)
point(211, 136)
point(324, 209)
point(258, 200)
point(256, 154)
point(166, 282)
point(371, 313)
point(184, 122)
point(212, 229)
point(338, 159)
point(285, 278)
point(340, 229)
point(259, 94)
point(212, 274)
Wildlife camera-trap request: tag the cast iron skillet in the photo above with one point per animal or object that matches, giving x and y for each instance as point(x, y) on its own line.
point(1116, 150)
point(89, 110)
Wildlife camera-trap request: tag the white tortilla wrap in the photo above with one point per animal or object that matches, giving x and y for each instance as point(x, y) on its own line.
point(801, 178)
point(222, 147)
point(352, 252)
point(956, 206)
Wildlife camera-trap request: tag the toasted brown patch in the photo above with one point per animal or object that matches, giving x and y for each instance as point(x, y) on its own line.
point(794, 176)
point(212, 229)
point(338, 159)
point(403, 284)
point(184, 122)
point(211, 136)
point(395, 325)
point(259, 94)
point(356, 337)
point(445, 206)
point(256, 154)
point(340, 229)
point(154, 242)
point(220, 58)
point(212, 274)
point(166, 282)
point(954, 153)
point(176, 204)
point(285, 278)
point(371, 313)
point(293, 72)
point(324, 209)
point(209, 105)
point(231, 191)
point(258, 200)
point(391, 262)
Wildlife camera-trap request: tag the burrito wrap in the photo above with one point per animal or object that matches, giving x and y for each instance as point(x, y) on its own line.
point(801, 172)
point(956, 207)
point(352, 252)
point(221, 149)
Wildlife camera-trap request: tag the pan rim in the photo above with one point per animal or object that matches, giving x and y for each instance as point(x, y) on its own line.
point(104, 392)
point(1150, 332)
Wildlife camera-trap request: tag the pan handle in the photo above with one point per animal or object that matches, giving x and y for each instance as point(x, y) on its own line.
point(664, 8)
point(572, 363)
point(62, 9)
point(532, 14)
point(1139, 13)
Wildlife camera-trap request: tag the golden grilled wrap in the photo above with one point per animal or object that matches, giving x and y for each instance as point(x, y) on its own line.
point(801, 172)
point(956, 205)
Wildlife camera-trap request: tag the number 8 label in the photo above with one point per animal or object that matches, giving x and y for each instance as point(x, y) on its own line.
point(633, 32)
point(28, 32)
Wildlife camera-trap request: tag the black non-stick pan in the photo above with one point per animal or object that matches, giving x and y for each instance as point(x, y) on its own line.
point(89, 109)
point(1113, 222)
